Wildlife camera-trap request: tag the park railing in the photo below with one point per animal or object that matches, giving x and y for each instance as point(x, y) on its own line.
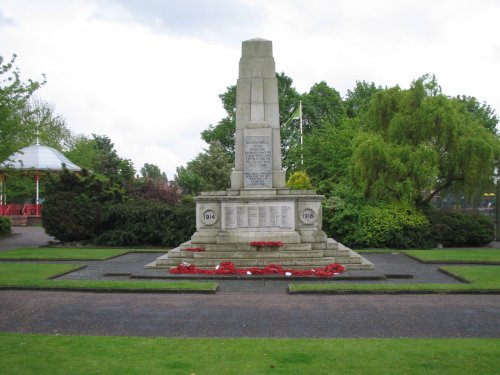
point(18, 209)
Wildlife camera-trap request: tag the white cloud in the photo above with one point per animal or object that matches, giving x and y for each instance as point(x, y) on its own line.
point(151, 83)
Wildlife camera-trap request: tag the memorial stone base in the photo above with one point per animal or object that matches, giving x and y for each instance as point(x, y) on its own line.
point(228, 221)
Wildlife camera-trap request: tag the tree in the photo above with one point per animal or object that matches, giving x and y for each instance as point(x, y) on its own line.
point(74, 206)
point(209, 170)
point(222, 134)
point(480, 111)
point(42, 123)
point(98, 154)
point(327, 154)
point(81, 151)
point(419, 142)
point(358, 100)
point(322, 106)
point(14, 98)
point(152, 172)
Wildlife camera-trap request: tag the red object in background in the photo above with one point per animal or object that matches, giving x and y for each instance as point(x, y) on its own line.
point(228, 268)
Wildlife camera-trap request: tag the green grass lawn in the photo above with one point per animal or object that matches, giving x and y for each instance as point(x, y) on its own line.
point(36, 276)
point(56, 253)
point(457, 256)
point(44, 354)
point(481, 278)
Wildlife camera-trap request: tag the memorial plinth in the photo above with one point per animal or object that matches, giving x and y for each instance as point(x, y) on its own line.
point(258, 206)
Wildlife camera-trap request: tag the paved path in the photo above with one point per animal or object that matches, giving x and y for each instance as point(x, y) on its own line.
point(250, 315)
point(255, 308)
point(25, 237)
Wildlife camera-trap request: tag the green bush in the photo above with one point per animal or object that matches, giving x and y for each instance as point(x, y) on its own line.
point(457, 228)
point(394, 225)
point(74, 205)
point(143, 222)
point(351, 219)
point(299, 180)
point(4, 226)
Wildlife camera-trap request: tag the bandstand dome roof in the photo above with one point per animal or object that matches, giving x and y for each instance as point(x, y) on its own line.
point(39, 158)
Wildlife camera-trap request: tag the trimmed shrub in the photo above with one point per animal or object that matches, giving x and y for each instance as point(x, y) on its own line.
point(458, 228)
point(143, 222)
point(5, 226)
point(299, 180)
point(356, 222)
point(395, 226)
point(74, 206)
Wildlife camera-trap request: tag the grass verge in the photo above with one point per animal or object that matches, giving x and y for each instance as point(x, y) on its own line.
point(37, 276)
point(482, 279)
point(45, 354)
point(72, 253)
point(482, 256)
point(56, 253)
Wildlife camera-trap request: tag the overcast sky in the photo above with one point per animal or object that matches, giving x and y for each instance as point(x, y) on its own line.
point(148, 73)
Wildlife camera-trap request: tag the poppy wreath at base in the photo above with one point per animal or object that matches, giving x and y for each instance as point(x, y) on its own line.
point(228, 268)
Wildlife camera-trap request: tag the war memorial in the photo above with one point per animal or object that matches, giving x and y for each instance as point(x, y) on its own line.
point(258, 220)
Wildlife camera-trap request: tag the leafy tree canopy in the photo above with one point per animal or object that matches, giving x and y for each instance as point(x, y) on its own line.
point(14, 100)
point(419, 142)
point(209, 170)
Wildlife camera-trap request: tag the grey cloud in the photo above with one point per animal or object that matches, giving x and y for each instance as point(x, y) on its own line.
point(222, 19)
point(5, 21)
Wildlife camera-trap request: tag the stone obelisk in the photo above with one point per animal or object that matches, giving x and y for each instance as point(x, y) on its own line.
point(258, 206)
point(257, 136)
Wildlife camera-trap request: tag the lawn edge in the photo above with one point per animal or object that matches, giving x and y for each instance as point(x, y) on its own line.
point(111, 290)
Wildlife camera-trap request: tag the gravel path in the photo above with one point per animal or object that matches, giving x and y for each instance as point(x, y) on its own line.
point(250, 315)
point(257, 308)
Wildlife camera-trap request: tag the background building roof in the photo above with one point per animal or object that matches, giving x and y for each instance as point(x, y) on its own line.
point(40, 158)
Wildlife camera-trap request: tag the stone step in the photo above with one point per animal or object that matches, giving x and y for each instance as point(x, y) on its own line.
point(285, 262)
point(255, 254)
point(248, 247)
point(164, 265)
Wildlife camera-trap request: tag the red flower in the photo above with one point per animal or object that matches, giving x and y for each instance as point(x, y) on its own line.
point(228, 268)
point(194, 249)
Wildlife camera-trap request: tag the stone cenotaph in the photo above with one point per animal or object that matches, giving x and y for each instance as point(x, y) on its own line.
point(258, 207)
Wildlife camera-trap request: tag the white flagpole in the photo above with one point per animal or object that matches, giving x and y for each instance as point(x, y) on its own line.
point(301, 136)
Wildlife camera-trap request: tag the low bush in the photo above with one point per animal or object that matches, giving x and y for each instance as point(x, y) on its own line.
point(143, 222)
point(74, 205)
point(459, 229)
point(299, 180)
point(4, 226)
point(357, 222)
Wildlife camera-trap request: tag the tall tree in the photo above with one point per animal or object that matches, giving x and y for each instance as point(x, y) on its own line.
point(419, 142)
point(209, 170)
point(98, 154)
point(358, 100)
point(43, 123)
point(14, 98)
point(152, 172)
point(222, 134)
point(480, 111)
point(322, 106)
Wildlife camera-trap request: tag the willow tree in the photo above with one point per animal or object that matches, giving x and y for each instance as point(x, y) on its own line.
point(419, 142)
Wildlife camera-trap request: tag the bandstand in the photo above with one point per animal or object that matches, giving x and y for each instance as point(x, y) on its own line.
point(36, 160)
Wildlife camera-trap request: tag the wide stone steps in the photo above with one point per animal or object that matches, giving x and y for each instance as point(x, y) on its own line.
point(247, 247)
point(253, 254)
point(303, 263)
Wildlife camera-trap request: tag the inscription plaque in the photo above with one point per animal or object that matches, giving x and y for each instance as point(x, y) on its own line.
point(258, 161)
point(209, 217)
point(308, 216)
point(276, 215)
